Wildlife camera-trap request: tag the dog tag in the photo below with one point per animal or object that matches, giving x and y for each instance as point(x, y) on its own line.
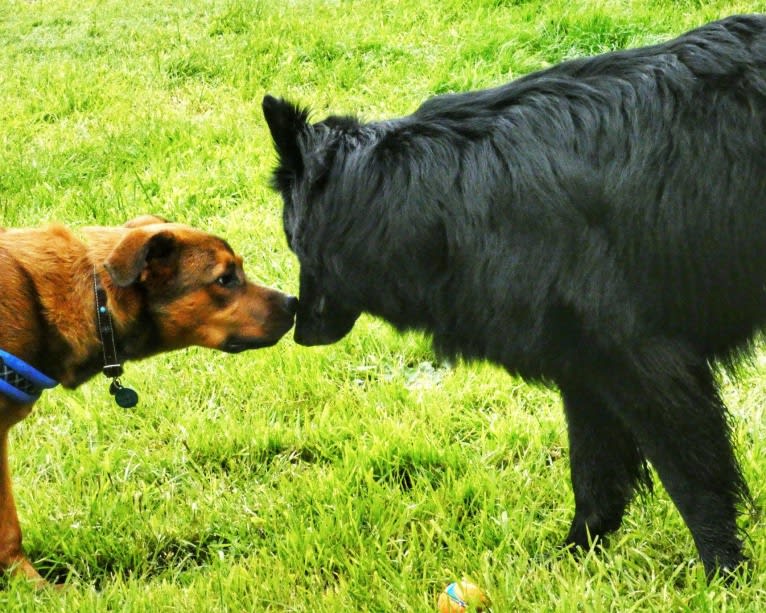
point(127, 398)
point(124, 396)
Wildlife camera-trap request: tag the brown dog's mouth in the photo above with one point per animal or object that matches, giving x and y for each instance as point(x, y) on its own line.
point(239, 344)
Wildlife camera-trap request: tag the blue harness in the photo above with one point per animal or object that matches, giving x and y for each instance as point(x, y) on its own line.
point(20, 381)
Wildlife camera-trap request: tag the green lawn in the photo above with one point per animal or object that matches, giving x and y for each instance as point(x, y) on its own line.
point(362, 476)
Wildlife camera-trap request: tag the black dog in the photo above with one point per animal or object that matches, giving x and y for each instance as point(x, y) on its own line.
point(600, 225)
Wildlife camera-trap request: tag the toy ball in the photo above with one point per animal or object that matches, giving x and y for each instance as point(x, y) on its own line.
point(462, 596)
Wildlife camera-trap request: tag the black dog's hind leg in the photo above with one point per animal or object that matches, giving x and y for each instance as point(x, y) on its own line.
point(667, 397)
point(606, 466)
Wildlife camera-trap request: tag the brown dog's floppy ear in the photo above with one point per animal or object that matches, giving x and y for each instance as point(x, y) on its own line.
point(286, 122)
point(136, 251)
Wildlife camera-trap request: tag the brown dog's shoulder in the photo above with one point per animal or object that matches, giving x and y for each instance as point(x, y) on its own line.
point(38, 241)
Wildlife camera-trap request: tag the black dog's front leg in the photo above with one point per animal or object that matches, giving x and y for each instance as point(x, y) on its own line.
point(606, 466)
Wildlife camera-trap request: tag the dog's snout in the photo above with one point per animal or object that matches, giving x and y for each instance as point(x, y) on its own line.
point(291, 305)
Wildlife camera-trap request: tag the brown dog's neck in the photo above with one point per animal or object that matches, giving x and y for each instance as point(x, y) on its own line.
point(131, 335)
point(59, 334)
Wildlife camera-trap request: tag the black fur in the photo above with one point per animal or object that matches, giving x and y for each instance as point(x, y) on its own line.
point(600, 225)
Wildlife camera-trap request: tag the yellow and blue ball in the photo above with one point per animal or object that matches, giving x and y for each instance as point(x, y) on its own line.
point(462, 596)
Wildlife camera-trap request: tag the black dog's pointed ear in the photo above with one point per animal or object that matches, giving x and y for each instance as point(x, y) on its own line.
point(286, 122)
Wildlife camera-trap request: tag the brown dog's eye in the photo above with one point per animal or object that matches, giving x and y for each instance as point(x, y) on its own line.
point(228, 280)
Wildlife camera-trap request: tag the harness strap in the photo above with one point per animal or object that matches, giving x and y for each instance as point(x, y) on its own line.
point(20, 381)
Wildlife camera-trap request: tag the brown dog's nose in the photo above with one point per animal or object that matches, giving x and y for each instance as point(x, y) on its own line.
point(291, 304)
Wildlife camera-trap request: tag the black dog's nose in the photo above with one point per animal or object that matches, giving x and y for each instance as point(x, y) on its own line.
point(291, 304)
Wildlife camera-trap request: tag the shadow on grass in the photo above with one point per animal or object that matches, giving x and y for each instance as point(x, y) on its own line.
point(162, 556)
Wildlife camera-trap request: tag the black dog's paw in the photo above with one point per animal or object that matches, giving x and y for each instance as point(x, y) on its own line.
point(730, 570)
point(591, 533)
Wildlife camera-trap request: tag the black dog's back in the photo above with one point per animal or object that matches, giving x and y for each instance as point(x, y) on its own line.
point(671, 137)
point(600, 224)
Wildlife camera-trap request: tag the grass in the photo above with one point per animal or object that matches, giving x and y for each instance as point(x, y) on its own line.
point(362, 476)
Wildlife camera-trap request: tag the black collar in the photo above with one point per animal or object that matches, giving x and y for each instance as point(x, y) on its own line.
point(124, 396)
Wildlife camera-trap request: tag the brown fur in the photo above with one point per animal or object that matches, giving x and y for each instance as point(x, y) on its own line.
point(168, 286)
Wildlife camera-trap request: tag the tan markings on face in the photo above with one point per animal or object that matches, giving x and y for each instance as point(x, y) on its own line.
point(202, 318)
point(215, 301)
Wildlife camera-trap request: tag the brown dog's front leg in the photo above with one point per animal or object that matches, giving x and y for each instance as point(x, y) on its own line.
point(12, 557)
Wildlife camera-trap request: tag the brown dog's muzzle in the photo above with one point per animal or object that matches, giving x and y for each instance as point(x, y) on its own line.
point(274, 312)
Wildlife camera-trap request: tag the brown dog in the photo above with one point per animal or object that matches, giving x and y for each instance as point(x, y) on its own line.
point(165, 285)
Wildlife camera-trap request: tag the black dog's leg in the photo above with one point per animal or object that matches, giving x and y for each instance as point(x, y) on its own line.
point(668, 398)
point(606, 466)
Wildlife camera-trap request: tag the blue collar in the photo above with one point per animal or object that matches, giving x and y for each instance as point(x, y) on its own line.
point(20, 381)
